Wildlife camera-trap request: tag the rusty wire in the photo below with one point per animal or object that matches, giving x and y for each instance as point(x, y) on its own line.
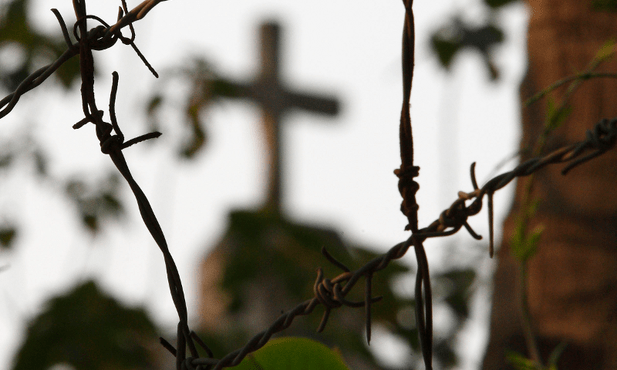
point(408, 188)
point(328, 292)
point(331, 292)
point(113, 145)
point(99, 38)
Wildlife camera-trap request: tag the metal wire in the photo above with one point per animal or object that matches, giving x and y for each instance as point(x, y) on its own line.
point(331, 292)
point(102, 37)
point(328, 292)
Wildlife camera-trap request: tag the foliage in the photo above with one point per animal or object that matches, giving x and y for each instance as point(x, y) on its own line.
point(7, 236)
point(293, 353)
point(199, 75)
point(457, 35)
point(524, 241)
point(261, 249)
point(604, 5)
point(88, 330)
point(96, 202)
point(93, 201)
point(72, 319)
point(18, 37)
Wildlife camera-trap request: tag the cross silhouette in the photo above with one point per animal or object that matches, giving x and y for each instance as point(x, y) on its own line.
point(275, 99)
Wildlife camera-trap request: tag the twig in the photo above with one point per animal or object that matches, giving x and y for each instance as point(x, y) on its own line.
point(556, 85)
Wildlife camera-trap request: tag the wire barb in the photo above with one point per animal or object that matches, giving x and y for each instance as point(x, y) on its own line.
point(101, 37)
point(331, 293)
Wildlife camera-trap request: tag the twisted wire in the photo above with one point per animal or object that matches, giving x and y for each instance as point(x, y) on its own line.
point(328, 292)
point(597, 141)
point(103, 38)
point(331, 292)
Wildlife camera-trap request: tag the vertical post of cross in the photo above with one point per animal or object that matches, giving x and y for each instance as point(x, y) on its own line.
point(272, 95)
point(275, 99)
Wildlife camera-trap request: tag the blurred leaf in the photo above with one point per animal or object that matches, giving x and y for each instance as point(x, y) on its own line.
point(87, 330)
point(96, 202)
point(498, 3)
point(197, 136)
point(458, 297)
point(520, 362)
point(606, 52)
point(457, 35)
point(69, 72)
point(90, 221)
point(604, 5)
point(7, 236)
point(6, 159)
point(444, 353)
point(111, 203)
point(154, 103)
point(293, 353)
point(556, 116)
point(205, 88)
point(525, 245)
point(40, 162)
point(17, 33)
point(446, 49)
point(555, 355)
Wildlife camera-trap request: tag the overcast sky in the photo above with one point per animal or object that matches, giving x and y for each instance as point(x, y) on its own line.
point(338, 171)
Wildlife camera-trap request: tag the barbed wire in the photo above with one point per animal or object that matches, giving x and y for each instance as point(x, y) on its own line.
point(331, 293)
point(100, 38)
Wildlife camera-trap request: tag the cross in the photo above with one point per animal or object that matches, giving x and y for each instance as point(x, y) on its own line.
point(274, 99)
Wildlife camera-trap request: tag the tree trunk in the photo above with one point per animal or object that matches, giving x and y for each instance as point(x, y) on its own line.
point(572, 280)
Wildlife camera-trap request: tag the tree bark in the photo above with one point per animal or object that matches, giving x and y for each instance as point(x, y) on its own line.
point(572, 280)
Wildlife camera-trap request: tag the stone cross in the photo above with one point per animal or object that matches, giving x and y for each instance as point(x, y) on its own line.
point(275, 99)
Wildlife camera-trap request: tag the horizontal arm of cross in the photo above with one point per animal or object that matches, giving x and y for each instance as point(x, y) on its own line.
point(267, 94)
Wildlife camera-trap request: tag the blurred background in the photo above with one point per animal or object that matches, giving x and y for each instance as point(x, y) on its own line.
point(69, 225)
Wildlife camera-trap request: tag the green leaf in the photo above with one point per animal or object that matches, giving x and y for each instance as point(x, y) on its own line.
point(524, 246)
point(293, 353)
point(520, 362)
point(606, 51)
point(555, 116)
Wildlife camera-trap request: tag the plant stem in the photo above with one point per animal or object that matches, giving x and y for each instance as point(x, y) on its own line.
point(530, 338)
point(527, 209)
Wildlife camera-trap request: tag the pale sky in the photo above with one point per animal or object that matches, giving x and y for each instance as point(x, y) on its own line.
point(338, 170)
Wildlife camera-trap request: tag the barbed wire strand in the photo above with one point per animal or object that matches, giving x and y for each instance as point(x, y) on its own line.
point(97, 41)
point(331, 292)
point(328, 292)
point(408, 188)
